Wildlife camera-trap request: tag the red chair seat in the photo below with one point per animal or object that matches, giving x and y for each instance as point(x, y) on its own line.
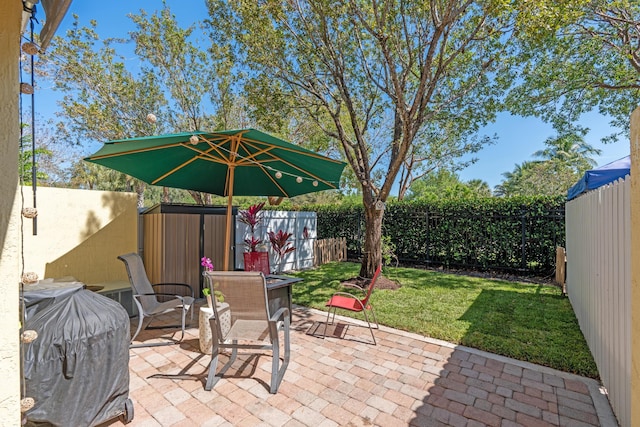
point(347, 303)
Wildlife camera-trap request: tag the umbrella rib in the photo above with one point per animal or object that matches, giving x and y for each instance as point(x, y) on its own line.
point(127, 153)
point(172, 171)
point(213, 147)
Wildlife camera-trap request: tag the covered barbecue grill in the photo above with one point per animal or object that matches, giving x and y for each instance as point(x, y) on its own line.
point(77, 370)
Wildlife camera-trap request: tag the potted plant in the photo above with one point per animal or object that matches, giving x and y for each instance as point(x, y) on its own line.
point(281, 246)
point(254, 259)
point(208, 266)
point(221, 308)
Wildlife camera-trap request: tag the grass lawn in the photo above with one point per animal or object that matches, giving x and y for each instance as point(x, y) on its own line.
point(529, 322)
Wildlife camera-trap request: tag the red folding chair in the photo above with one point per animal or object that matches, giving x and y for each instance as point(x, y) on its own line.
point(347, 301)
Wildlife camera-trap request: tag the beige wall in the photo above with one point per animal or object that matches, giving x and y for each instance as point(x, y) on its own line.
point(80, 234)
point(635, 268)
point(9, 213)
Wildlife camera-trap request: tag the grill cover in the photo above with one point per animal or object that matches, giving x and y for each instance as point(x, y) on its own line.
point(77, 370)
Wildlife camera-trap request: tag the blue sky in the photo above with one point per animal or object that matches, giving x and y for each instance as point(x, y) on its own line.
point(518, 137)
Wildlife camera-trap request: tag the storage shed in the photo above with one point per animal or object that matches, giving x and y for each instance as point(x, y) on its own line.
point(177, 236)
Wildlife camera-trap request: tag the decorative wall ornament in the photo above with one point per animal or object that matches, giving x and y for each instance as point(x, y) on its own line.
point(26, 89)
point(29, 278)
point(26, 404)
point(28, 336)
point(29, 48)
point(29, 212)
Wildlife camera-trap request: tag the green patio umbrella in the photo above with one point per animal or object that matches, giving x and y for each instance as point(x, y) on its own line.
point(228, 163)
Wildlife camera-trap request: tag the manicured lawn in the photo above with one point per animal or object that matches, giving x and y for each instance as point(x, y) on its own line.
point(529, 322)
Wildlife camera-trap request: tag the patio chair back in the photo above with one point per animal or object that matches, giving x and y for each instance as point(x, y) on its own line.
point(249, 323)
point(140, 282)
point(372, 285)
point(246, 294)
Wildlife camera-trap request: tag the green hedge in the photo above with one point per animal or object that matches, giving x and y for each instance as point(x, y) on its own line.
point(517, 234)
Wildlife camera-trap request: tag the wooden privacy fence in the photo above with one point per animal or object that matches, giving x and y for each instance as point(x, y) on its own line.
point(599, 284)
point(328, 250)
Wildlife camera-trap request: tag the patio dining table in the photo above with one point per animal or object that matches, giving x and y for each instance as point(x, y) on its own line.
point(279, 290)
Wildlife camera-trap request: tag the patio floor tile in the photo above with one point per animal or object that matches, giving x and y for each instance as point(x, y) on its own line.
point(341, 380)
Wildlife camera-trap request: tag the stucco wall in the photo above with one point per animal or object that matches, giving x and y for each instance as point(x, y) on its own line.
point(9, 213)
point(80, 234)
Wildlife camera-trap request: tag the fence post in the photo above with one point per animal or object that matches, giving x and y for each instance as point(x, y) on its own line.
point(561, 259)
point(523, 262)
point(426, 214)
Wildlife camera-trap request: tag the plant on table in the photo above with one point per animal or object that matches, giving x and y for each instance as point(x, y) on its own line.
point(281, 246)
point(208, 266)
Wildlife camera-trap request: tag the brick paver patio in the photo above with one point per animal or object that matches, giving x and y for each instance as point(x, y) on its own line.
point(345, 381)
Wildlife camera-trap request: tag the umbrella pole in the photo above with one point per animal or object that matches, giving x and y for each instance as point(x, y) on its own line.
point(227, 231)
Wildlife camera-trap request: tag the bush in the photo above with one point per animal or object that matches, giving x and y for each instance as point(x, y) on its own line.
point(517, 234)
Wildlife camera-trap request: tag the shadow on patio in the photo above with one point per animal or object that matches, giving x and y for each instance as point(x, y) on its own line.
point(344, 380)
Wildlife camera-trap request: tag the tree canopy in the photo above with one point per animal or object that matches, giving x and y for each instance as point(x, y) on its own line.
point(577, 56)
point(377, 77)
point(562, 162)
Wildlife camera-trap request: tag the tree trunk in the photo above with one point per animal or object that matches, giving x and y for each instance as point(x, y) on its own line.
point(372, 255)
point(140, 186)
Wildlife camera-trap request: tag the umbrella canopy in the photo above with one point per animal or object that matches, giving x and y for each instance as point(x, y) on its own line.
point(243, 162)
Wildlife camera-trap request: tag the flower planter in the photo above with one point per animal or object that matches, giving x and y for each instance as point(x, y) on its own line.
point(257, 261)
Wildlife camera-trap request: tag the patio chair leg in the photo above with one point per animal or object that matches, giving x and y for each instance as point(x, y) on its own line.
point(184, 316)
point(278, 374)
point(140, 321)
point(370, 329)
point(374, 318)
point(275, 361)
point(212, 379)
point(141, 325)
point(327, 323)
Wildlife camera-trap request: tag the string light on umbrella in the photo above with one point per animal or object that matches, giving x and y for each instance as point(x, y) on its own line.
point(277, 173)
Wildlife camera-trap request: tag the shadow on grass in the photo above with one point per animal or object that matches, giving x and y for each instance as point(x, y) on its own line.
point(533, 327)
point(533, 323)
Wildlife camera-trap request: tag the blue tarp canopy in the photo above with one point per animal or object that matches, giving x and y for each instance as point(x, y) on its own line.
point(598, 177)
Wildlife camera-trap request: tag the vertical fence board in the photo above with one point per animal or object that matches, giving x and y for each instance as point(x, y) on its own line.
point(599, 284)
point(329, 250)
